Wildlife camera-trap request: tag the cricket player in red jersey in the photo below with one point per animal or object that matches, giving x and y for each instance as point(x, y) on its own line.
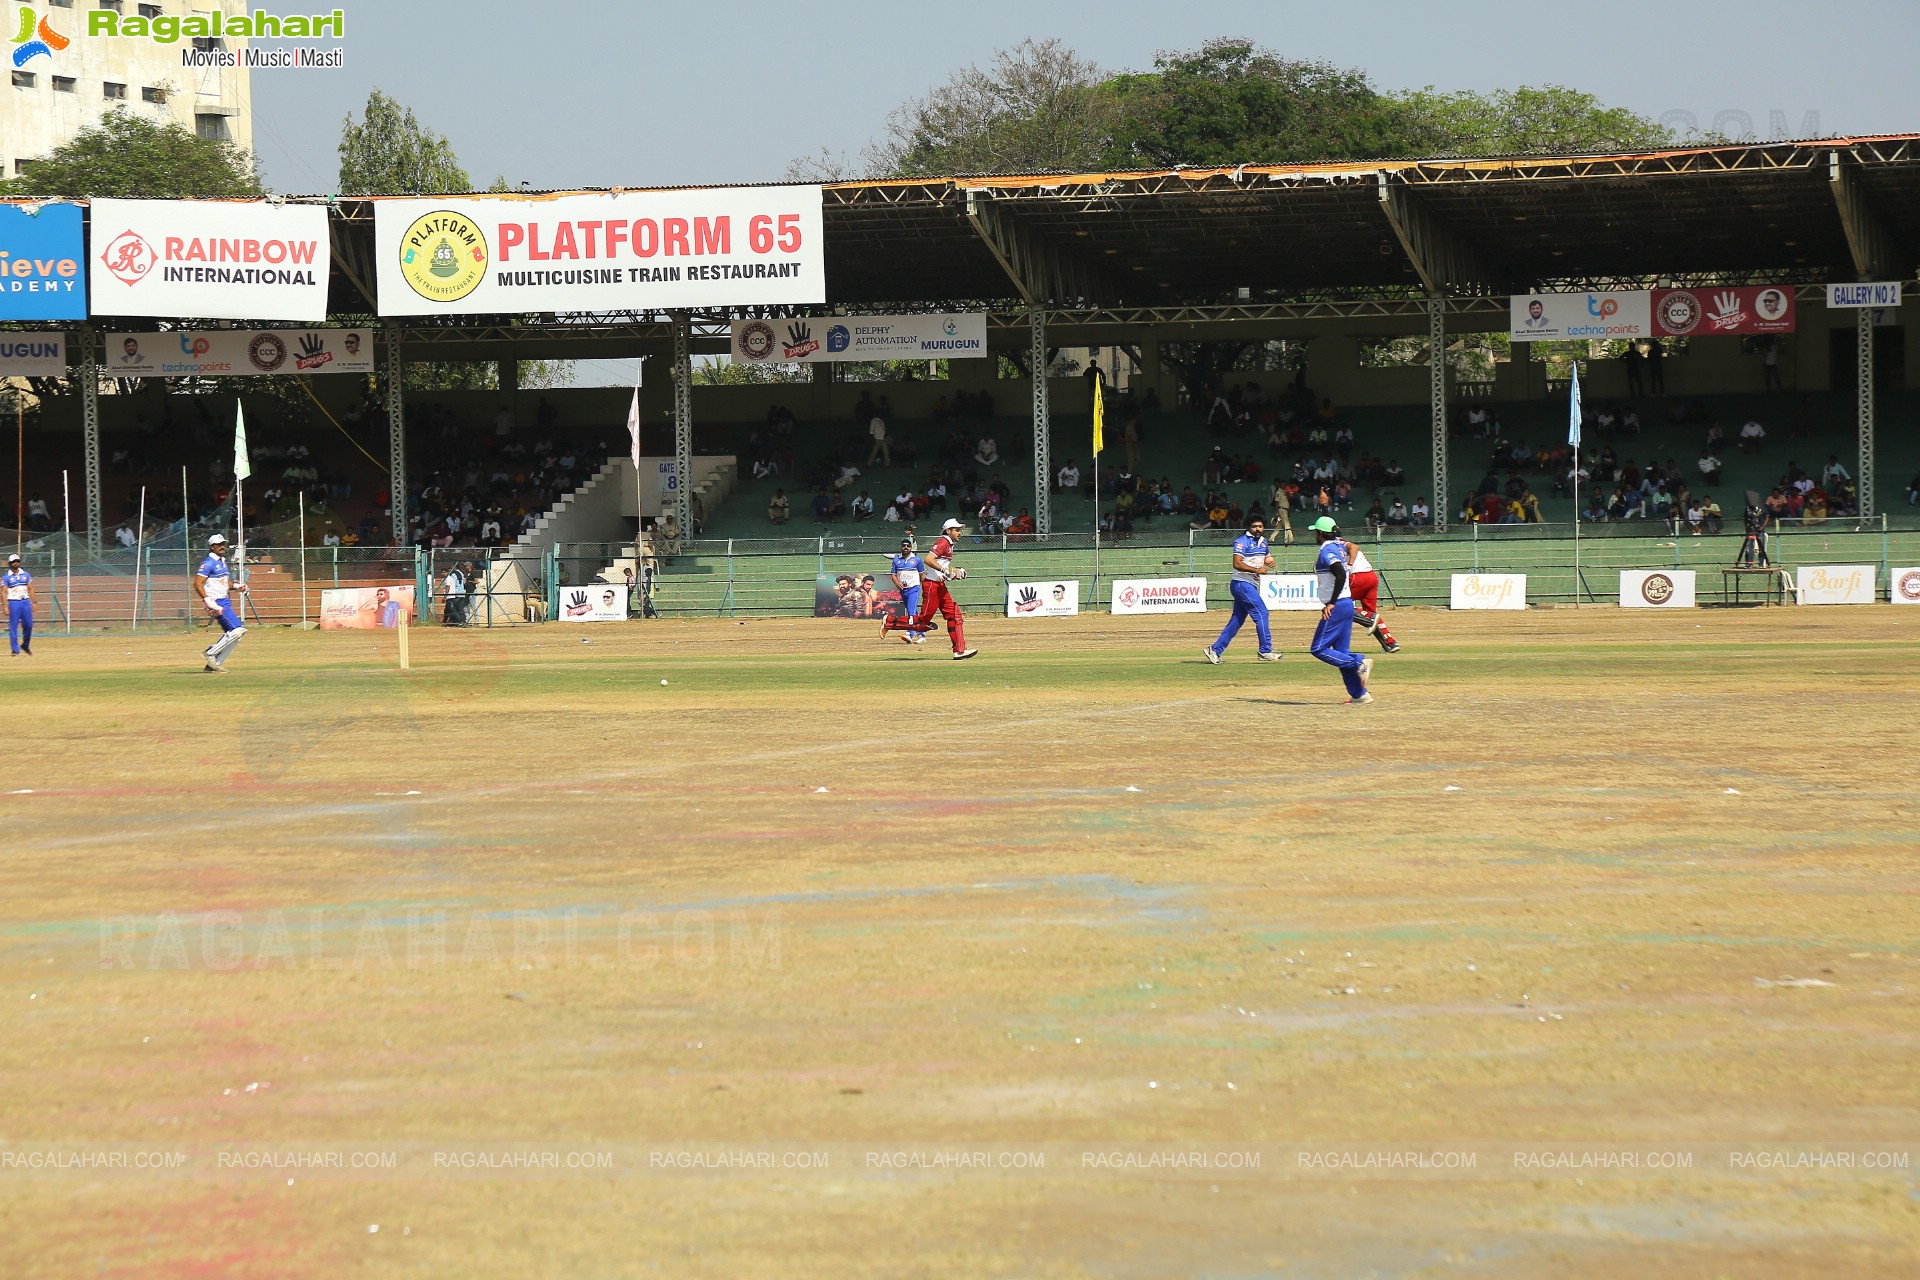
point(937, 570)
point(1365, 583)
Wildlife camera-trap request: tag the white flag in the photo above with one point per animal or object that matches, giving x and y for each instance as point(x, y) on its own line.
point(633, 414)
point(241, 467)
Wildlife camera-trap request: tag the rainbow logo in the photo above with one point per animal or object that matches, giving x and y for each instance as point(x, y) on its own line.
point(48, 40)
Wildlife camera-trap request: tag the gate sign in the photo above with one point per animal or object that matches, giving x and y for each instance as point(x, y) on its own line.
point(1160, 595)
point(1290, 590)
point(1657, 588)
point(631, 251)
point(33, 355)
point(1836, 584)
point(43, 263)
point(213, 353)
point(1489, 591)
point(210, 260)
point(821, 339)
point(1864, 295)
point(669, 478)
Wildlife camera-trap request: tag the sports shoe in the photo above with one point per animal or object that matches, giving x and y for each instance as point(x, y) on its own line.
point(211, 667)
point(1393, 646)
point(1360, 701)
point(1269, 656)
point(1213, 655)
point(886, 625)
point(1366, 672)
point(964, 654)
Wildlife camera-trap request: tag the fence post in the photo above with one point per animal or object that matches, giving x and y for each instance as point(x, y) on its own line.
point(728, 602)
point(823, 557)
point(1886, 566)
point(1189, 552)
point(1476, 545)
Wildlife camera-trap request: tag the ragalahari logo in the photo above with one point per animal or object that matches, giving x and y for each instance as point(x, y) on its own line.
point(128, 257)
point(34, 41)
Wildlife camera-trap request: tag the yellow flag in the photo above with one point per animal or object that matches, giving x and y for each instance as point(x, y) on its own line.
point(1099, 417)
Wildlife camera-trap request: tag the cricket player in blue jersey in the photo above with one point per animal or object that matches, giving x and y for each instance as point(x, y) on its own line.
point(1333, 638)
point(1250, 559)
point(19, 587)
point(216, 588)
point(906, 569)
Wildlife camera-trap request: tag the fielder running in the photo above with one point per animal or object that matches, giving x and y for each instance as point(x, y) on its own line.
point(906, 569)
point(1250, 559)
point(1365, 584)
point(1333, 638)
point(216, 589)
point(937, 569)
point(19, 586)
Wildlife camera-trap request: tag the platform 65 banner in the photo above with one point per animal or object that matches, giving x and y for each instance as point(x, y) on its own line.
point(820, 339)
point(1543, 317)
point(217, 353)
point(210, 260)
point(644, 250)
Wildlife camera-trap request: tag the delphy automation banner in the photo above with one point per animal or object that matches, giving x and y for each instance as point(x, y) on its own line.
point(210, 260)
point(643, 250)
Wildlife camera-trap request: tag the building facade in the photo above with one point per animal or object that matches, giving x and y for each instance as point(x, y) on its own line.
point(64, 81)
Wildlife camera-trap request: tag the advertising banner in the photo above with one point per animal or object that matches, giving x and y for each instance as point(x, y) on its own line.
point(43, 263)
point(1864, 295)
point(1290, 590)
point(595, 602)
point(1043, 599)
point(1657, 588)
point(213, 353)
point(366, 608)
point(1903, 586)
point(857, 595)
point(1836, 584)
point(823, 339)
point(1160, 595)
point(1742, 309)
point(210, 260)
point(1489, 591)
point(1547, 317)
point(639, 251)
point(33, 355)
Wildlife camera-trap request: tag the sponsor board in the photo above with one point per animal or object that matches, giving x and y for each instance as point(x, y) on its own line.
point(1043, 599)
point(1159, 595)
point(366, 608)
point(1903, 586)
point(1290, 590)
point(33, 355)
point(595, 602)
point(1489, 591)
point(638, 250)
point(824, 339)
point(1657, 588)
point(210, 260)
point(1741, 309)
point(43, 262)
point(1864, 295)
point(857, 594)
point(1538, 317)
point(1835, 584)
point(216, 353)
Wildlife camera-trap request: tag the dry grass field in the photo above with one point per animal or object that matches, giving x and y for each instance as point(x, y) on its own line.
point(1590, 949)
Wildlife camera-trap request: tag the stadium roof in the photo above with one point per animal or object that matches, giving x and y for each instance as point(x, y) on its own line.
point(1779, 212)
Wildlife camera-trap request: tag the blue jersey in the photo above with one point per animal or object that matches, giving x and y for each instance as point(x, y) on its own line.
point(218, 576)
point(907, 569)
point(1248, 547)
point(16, 582)
point(1331, 553)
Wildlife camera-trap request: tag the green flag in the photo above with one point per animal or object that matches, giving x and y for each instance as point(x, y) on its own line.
point(241, 468)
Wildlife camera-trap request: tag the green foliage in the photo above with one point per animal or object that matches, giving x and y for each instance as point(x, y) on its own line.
point(128, 157)
point(730, 373)
point(389, 153)
point(1529, 121)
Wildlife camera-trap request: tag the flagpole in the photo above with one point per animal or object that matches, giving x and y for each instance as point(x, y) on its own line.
point(1573, 435)
point(242, 468)
point(139, 545)
point(66, 524)
point(1099, 438)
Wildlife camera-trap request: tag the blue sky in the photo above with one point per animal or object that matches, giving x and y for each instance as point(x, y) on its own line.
point(599, 93)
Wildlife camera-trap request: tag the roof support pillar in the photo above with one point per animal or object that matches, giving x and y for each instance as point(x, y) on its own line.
point(1875, 254)
point(1437, 403)
point(1863, 404)
point(683, 421)
point(395, 380)
point(1042, 427)
point(1039, 270)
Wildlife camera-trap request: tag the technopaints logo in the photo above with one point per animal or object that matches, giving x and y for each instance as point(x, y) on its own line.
point(34, 41)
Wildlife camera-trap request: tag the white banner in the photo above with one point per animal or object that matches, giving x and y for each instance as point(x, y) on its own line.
point(1903, 586)
point(1864, 295)
point(1657, 588)
point(1489, 591)
point(1043, 599)
point(210, 260)
point(1538, 317)
point(33, 355)
point(1836, 584)
point(595, 602)
point(214, 353)
point(1160, 595)
point(669, 473)
point(820, 339)
point(638, 251)
point(1290, 590)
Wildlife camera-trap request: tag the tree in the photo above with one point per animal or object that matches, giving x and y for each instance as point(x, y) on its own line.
point(128, 157)
point(390, 153)
point(1529, 121)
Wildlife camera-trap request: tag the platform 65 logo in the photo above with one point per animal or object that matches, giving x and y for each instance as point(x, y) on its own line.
point(443, 256)
point(128, 258)
point(1656, 588)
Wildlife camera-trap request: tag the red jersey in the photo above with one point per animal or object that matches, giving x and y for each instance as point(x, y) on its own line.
point(942, 550)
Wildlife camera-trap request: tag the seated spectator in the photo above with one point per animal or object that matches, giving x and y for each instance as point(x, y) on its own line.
point(987, 452)
point(1343, 496)
point(1023, 525)
point(1067, 479)
point(1696, 519)
point(778, 508)
point(936, 494)
point(1596, 509)
point(1422, 514)
point(898, 510)
point(822, 507)
point(1216, 513)
point(124, 536)
point(1530, 507)
point(1833, 471)
point(1189, 502)
point(1716, 437)
point(1376, 514)
point(1395, 476)
point(1236, 518)
point(1396, 515)
point(1752, 435)
point(1711, 511)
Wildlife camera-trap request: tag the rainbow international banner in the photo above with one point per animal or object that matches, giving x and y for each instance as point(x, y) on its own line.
point(366, 608)
point(210, 259)
point(1159, 595)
